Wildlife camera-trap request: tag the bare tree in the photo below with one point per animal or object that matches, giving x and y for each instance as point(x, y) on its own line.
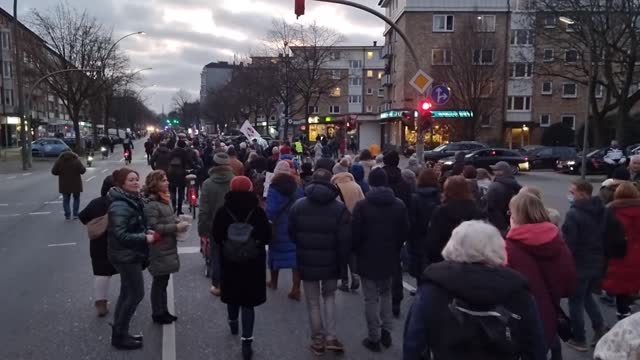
point(471, 68)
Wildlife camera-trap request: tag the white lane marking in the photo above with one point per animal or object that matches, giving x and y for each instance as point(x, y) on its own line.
point(9, 215)
point(104, 171)
point(63, 244)
point(53, 202)
point(408, 286)
point(169, 330)
point(91, 178)
point(4, 204)
point(188, 250)
point(26, 174)
point(11, 177)
point(40, 213)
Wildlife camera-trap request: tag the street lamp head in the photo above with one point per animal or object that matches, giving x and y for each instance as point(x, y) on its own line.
point(141, 33)
point(566, 20)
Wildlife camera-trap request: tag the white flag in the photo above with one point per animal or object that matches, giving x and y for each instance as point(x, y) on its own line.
point(249, 131)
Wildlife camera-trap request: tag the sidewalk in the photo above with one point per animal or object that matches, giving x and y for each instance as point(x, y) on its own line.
point(13, 162)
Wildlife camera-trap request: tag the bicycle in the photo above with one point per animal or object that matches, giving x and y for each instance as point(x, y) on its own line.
point(192, 192)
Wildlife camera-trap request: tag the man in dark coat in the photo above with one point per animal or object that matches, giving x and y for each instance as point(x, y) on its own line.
point(319, 226)
point(584, 233)
point(69, 169)
point(380, 223)
point(148, 148)
point(181, 161)
point(161, 158)
point(503, 188)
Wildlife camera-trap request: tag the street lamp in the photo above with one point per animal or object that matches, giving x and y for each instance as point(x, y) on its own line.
point(566, 20)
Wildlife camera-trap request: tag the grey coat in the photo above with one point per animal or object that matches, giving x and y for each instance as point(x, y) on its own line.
point(163, 254)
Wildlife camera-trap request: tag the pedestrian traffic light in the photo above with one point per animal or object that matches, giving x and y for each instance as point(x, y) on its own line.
point(299, 8)
point(424, 114)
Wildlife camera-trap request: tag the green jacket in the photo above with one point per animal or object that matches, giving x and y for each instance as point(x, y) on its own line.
point(127, 229)
point(163, 254)
point(212, 197)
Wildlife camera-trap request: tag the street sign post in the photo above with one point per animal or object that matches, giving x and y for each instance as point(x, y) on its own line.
point(440, 95)
point(421, 81)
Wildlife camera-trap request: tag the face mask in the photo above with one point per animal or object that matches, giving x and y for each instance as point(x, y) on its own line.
point(571, 198)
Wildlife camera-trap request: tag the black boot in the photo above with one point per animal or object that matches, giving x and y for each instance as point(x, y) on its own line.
point(247, 351)
point(122, 341)
point(162, 319)
point(171, 316)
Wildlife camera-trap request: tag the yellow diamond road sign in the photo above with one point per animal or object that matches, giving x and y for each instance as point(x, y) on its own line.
point(421, 81)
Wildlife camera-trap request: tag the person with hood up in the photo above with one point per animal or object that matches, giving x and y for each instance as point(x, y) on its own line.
point(473, 275)
point(424, 201)
point(349, 193)
point(358, 172)
point(306, 174)
point(622, 278)
point(319, 225)
point(325, 163)
point(342, 166)
point(536, 250)
point(236, 165)
point(161, 158)
point(503, 188)
point(379, 225)
point(94, 215)
point(282, 194)
point(458, 205)
point(242, 284)
point(584, 234)
point(69, 169)
point(414, 165)
point(212, 197)
point(609, 186)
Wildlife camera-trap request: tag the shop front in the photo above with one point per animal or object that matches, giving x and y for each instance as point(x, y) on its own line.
point(327, 126)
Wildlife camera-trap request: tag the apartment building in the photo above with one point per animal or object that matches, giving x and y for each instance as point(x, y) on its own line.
point(214, 76)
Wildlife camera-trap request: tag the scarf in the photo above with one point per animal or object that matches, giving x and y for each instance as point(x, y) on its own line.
point(164, 197)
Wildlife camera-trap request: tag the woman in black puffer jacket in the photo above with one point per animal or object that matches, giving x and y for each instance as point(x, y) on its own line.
point(128, 252)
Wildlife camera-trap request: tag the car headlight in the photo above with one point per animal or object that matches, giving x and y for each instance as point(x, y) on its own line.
point(448, 162)
point(90, 158)
point(571, 162)
point(103, 149)
point(524, 165)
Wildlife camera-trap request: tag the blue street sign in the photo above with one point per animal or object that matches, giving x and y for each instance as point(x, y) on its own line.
point(440, 94)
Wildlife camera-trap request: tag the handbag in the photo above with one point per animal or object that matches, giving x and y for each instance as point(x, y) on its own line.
point(97, 227)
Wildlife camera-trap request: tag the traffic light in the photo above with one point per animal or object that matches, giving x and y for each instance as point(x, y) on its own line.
point(299, 8)
point(424, 113)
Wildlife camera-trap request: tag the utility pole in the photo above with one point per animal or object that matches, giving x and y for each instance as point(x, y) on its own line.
point(18, 101)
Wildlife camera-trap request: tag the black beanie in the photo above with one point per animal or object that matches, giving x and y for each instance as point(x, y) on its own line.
point(378, 177)
point(391, 158)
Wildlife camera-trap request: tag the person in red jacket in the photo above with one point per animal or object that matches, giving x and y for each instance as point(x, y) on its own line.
point(623, 274)
point(536, 250)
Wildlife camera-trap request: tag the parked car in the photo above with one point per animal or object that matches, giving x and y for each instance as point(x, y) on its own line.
point(447, 150)
point(547, 157)
point(486, 157)
point(595, 163)
point(48, 147)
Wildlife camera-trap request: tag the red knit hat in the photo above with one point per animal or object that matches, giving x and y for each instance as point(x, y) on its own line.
point(241, 183)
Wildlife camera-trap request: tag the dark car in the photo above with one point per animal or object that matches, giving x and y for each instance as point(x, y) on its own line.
point(486, 157)
point(547, 157)
point(595, 163)
point(447, 150)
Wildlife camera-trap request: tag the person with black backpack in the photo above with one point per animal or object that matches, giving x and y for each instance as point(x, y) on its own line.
point(470, 306)
point(241, 228)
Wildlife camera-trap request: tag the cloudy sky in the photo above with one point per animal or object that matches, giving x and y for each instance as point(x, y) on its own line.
point(184, 35)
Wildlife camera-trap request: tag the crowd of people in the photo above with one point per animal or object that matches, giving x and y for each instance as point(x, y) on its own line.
point(491, 261)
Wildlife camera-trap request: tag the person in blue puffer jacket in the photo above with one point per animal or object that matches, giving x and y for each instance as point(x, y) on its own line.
point(357, 171)
point(283, 192)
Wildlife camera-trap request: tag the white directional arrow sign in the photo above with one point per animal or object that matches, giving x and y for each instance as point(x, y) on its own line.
point(440, 94)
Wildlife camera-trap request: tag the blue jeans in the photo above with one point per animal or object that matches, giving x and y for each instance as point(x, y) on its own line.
point(66, 198)
point(214, 258)
point(582, 301)
point(248, 319)
point(131, 293)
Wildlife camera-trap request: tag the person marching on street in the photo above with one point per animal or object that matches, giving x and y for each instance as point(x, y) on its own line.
point(242, 257)
point(503, 188)
point(319, 225)
point(161, 158)
point(148, 148)
point(69, 169)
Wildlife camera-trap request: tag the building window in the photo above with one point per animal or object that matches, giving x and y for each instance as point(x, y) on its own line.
point(381, 92)
point(8, 97)
point(599, 91)
point(547, 87)
point(313, 109)
point(485, 120)
point(443, 23)
point(369, 108)
point(549, 21)
point(519, 103)
point(545, 120)
point(441, 57)
point(335, 74)
point(370, 55)
point(335, 92)
point(522, 5)
point(569, 90)
point(334, 109)
point(483, 56)
point(521, 37)
point(521, 70)
point(6, 40)
point(486, 23)
point(571, 56)
point(369, 74)
point(355, 64)
point(547, 55)
point(569, 120)
point(355, 81)
point(7, 69)
point(334, 55)
point(355, 99)
point(380, 74)
point(369, 91)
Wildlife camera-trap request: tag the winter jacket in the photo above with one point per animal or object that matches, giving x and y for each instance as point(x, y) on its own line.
point(583, 231)
point(242, 284)
point(480, 286)
point(163, 254)
point(319, 225)
point(444, 219)
point(178, 170)
point(272, 161)
point(623, 275)
point(161, 158)
point(500, 193)
point(98, 247)
point(380, 226)
point(258, 165)
point(358, 172)
point(423, 203)
point(212, 197)
point(349, 191)
point(401, 189)
point(282, 194)
point(538, 252)
point(69, 169)
point(127, 229)
point(236, 166)
point(367, 165)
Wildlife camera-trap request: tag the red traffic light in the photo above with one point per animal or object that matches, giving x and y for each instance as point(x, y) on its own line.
point(425, 105)
point(299, 8)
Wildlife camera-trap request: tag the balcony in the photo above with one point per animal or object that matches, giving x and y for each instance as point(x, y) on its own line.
point(387, 51)
point(386, 80)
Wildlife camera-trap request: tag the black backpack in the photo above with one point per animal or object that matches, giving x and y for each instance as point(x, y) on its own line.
point(479, 333)
point(240, 246)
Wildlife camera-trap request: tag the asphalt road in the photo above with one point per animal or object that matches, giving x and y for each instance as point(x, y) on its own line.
point(47, 307)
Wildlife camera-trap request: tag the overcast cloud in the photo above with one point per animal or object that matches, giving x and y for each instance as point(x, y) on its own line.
point(185, 35)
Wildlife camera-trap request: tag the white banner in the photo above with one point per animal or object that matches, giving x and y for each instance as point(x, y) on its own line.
point(249, 131)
